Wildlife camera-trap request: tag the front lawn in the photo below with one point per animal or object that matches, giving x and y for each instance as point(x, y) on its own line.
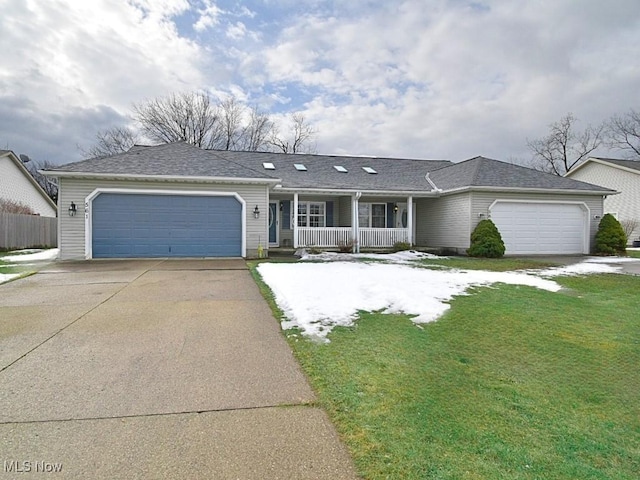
point(513, 382)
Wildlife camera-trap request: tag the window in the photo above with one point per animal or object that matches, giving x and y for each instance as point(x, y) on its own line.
point(369, 170)
point(340, 168)
point(372, 215)
point(311, 214)
point(300, 167)
point(268, 166)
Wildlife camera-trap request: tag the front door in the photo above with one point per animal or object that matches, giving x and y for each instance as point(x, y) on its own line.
point(401, 216)
point(273, 224)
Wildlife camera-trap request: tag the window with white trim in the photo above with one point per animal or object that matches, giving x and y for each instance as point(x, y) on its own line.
point(312, 214)
point(372, 215)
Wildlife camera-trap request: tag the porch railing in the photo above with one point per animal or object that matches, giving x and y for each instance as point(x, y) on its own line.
point(336, 236)
point(382, 237)
point(324, 237)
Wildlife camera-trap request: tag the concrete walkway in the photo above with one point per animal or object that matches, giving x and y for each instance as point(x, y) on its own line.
point(154, 369)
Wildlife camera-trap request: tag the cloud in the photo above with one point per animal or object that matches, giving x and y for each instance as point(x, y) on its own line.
point(453, 80)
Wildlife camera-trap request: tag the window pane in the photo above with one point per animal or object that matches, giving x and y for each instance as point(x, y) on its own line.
point(378, 215)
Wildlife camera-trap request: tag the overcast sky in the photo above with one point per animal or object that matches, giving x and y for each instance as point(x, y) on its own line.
point(447, 79)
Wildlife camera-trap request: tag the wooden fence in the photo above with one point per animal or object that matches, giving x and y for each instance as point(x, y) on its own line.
point(27, 231)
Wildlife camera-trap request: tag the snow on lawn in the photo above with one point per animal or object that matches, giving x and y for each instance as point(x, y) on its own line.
point(5, 277)
point(318, 296)
point(36, 256)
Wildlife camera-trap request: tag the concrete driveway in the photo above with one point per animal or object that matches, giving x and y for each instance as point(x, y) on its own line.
point(154, 369)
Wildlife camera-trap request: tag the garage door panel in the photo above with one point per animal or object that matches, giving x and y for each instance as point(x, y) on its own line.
point(136, 225)
point(540, 228)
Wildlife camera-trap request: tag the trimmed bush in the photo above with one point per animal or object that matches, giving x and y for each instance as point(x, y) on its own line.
point(486, 241)
point(610, 239)
point(401, 246)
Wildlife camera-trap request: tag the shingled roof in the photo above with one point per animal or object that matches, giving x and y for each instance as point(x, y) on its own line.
point(486, 172)
point(374, 174)
point(167, 160)
point(391, 174)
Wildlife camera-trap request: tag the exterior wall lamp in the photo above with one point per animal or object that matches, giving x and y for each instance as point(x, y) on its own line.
point(72, 209)
point(256, 212)
point(395, 208)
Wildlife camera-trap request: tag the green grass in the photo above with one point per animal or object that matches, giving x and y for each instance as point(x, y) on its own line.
point(633, 253)
point(493, 264)
point(512, 383)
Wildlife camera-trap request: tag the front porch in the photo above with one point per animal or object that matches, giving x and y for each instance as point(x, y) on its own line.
point(340, 221)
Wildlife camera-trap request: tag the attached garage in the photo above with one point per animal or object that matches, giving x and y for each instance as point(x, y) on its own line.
point(542, 228)
point(152, 224)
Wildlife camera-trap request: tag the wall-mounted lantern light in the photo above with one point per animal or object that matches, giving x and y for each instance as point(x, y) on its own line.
point(281, 206)
point(72, 209)
point(395, 208)
point(256, 212)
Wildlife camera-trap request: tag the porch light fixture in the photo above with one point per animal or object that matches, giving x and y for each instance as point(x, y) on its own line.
point(281, 206)
point(72, 209)
point(395, 208)
point(256, 212)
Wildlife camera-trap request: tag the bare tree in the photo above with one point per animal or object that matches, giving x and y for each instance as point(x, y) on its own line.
point(256, 132)
point(112, 141)
point(623, 133)
point(48, 185)
point(230, 113)
point(563, 148)
point(11, 206)
point(196, 119)
point(188, 117)
point(302, 140)
point(629, 225)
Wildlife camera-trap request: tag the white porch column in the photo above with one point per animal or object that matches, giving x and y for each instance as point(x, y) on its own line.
point(295, 220)
point(410, 219)
point(355, 223)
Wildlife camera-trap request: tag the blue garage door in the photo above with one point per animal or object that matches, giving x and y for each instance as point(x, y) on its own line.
point(130, 226)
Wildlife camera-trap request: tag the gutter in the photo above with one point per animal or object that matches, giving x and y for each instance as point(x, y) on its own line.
point(165, 178)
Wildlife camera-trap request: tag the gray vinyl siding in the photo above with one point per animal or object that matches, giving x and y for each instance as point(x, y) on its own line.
point(443, 222)
point(72, 229)
point(626, 204)
point(481, 201)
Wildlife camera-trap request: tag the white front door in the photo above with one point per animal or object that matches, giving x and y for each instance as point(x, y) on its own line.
point(401, 216)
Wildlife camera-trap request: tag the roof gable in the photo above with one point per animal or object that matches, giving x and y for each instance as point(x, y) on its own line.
point(43, 204)
point(632, 166)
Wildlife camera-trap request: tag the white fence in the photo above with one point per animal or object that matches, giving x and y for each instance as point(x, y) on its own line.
point(383, 237)
point(324, 237)
point(337, 236)
point(27, 231)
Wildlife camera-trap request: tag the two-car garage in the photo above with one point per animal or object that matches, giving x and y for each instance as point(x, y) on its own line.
point(539, 228)
point(168, 224)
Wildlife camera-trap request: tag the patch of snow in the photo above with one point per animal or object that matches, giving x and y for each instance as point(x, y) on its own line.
point(582, 268)
point(38, 255)
point(5, 277)
point(611, 259)
point(318, 296)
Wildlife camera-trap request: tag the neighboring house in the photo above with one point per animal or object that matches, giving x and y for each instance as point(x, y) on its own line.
point(620, 175)
point(179, 200)
point(17, 185)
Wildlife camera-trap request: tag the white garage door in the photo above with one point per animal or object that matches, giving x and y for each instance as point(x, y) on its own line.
point(540, 228)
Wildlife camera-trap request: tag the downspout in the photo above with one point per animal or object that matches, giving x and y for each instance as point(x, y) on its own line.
point(295, 220)
point(434, 188)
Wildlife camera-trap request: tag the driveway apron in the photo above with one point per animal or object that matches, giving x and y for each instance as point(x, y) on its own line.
point(154, 369)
